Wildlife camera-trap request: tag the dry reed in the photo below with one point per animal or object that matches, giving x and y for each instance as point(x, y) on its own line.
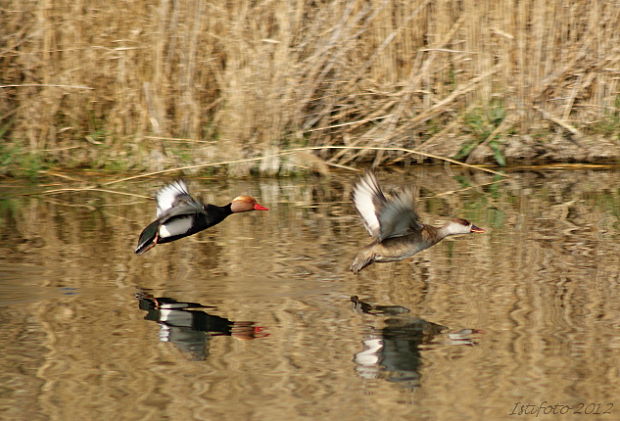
point(113, 81)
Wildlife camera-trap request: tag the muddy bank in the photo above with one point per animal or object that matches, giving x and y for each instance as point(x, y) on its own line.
point(212, 159)
point(527, 150)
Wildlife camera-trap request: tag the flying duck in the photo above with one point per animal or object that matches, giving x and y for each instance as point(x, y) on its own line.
point(180, 215)
point(395, 226)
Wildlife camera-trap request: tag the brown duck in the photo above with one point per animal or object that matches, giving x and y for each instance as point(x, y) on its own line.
point(395, 226)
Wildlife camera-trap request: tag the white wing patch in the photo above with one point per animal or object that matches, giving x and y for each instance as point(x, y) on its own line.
point(175, 227)
point(167, 196)
point(365, 196)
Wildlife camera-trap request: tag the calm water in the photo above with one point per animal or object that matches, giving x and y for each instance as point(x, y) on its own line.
point(258, 318)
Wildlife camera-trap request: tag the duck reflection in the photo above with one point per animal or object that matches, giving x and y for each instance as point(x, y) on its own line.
point(189, 327)
point(394, 351)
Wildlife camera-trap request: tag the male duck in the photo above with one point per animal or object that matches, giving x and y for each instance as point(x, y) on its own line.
point(180, 215)
point(395, 226)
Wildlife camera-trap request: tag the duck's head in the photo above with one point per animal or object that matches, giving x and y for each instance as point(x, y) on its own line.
point(462, 226)
point(245, 204)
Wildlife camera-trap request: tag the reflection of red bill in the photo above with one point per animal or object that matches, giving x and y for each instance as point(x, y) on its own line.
point(258, 332)
point(246, 331)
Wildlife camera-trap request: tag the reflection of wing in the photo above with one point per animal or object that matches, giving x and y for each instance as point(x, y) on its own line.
point(384, 218)
point(174, 199)
point(369, 200)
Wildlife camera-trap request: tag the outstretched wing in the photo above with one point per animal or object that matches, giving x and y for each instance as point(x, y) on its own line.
point(384, 218)
point(398, 217)
point(369, 200)
point(174, 199)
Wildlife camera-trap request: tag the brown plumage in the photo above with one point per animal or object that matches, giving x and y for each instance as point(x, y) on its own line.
point(395, 226)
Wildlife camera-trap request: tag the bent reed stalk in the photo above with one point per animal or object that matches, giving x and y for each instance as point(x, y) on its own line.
point(86, 86)
point(292, 151)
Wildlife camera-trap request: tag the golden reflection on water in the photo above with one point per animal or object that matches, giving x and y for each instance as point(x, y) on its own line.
point(526, 313)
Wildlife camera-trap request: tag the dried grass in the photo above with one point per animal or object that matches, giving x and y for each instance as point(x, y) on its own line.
point(264, 76)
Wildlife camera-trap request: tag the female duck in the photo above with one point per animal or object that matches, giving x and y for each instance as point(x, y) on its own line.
point(180, 215)
point(395, 226)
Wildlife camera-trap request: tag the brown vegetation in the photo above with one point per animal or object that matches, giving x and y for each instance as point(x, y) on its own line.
point(153, 84)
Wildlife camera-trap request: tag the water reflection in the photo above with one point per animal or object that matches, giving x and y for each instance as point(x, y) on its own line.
point(189, 327)
point(394, 352)
point(542, 283)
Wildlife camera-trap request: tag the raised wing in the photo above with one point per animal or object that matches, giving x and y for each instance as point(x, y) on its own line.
point(398, 217)
point(384, 218)
point(369, 200)
point(175, 198)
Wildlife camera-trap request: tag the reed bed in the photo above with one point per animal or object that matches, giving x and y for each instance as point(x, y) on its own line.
point(158, 84)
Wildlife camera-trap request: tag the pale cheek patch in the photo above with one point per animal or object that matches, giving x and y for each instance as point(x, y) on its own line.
point(175, 227)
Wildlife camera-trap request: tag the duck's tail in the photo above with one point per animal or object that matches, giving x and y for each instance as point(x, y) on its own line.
point(364, 258)
point(148, 238)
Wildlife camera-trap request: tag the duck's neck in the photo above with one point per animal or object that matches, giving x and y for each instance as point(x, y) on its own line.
point(226, 209)
point(215, 214)
point(433, 235)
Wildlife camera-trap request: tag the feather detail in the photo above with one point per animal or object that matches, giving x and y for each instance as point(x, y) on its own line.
point(369, 200)
point(398, 217)
point(176, 226)
point(382, 217)
point(171, 195)
point(148, 238)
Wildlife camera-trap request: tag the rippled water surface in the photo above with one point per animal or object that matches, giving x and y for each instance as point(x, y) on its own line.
point(259, 318)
